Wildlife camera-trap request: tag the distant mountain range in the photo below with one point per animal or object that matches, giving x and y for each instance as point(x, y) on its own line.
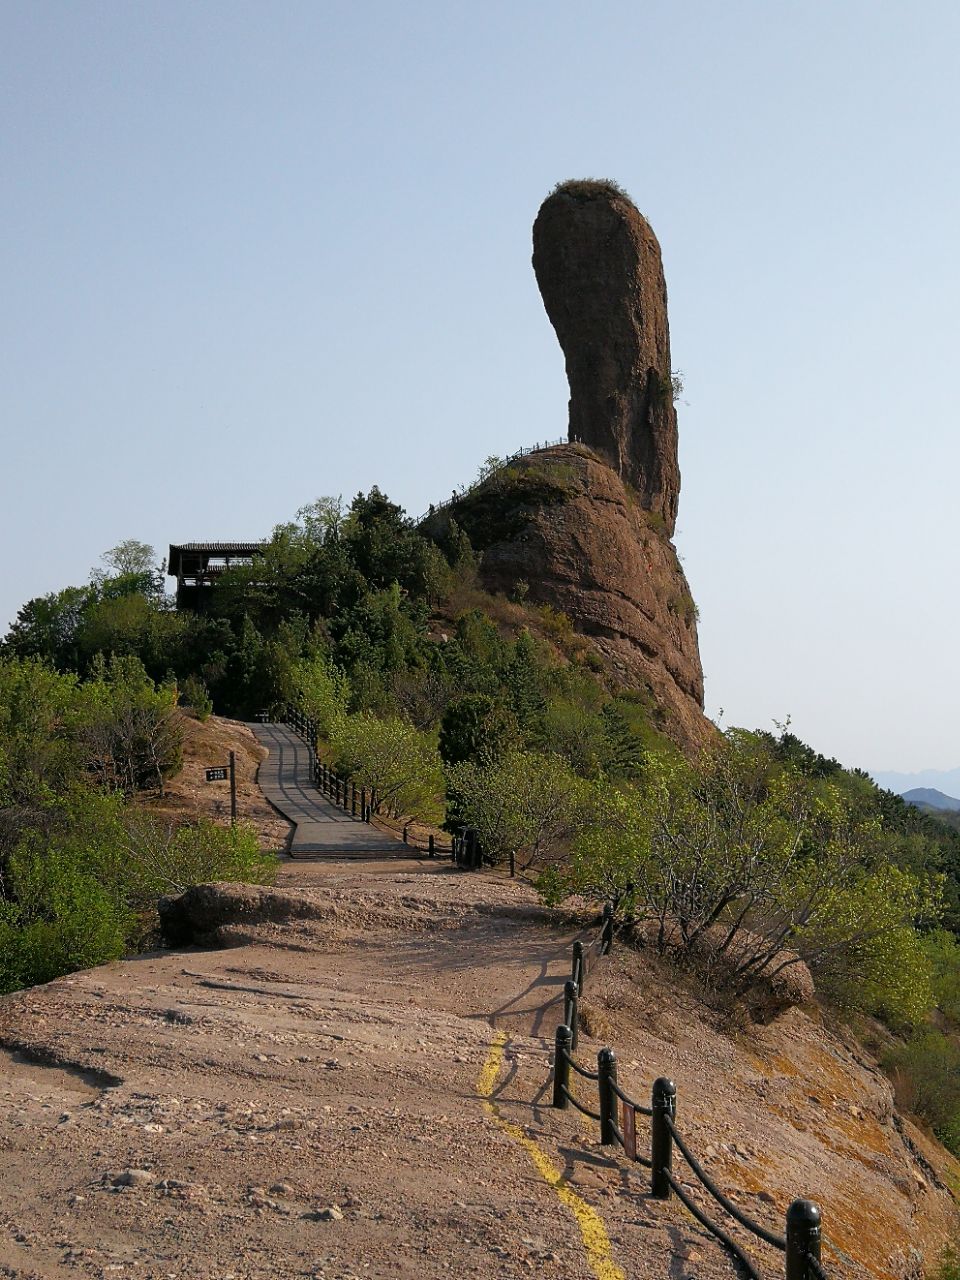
point(929, 798)
point(946, 781)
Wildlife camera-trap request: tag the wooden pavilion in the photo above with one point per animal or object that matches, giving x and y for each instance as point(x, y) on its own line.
point(197, 565)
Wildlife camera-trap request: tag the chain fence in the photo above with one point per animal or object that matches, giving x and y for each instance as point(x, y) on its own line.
point(617, 1112)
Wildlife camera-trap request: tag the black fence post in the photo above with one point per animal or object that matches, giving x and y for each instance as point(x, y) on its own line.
point(513, 862)
point(431, 849)
point(406, 828)
point(606, 932)
point(353, 800)
point(579, 963)
point(607, 1071)
point(571, 1012)
point(561, 1068)
point(803, 1239)
point(664, 1107)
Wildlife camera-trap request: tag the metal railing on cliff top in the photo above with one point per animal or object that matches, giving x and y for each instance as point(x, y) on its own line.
point(465, 490)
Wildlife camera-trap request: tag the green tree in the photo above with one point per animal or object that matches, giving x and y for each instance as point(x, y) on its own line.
point(475, 728)
point(523, 802)
point(397, 761)
point(763, 866)
point(321, 690)
point(130, 557)
point(130, 730)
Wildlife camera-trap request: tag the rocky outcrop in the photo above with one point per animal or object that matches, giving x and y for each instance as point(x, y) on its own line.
point(585, 527)
point(598, 266)
point(563, 524)
point(204, 913)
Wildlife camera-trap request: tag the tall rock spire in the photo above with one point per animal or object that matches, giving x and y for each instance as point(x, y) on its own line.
point(598, 266)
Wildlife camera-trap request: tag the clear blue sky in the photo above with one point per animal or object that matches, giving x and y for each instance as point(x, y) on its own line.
point(254, 253)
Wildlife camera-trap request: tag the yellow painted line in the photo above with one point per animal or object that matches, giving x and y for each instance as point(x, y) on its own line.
point(593, 1232)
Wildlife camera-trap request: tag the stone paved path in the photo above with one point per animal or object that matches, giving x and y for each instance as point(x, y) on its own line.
point(321, 828)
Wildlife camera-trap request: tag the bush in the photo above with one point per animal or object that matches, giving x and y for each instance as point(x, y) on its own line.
point(523, 802)
point(321, 690)
point(83, 889)
point(400, 763)
point(161, 859)
point(779, 864)
point(589, 188)
point(195, 695)
point(926, 1073)
point(129, 728)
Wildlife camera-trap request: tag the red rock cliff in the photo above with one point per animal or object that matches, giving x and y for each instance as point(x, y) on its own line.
point(563, 522)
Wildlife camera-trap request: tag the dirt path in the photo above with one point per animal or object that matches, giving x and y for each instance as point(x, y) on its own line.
point(365, 1094)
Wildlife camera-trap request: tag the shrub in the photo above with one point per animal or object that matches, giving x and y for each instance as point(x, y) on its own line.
point(926, 1073)
point(161, 858)
point(556, 624)
point(82, 889)
point(129, 729)
point(321, 689)
point(589, 188)
point(400, 763)
point(523, 802)
point(777, 864)
point(195, 695)
point(475, 728)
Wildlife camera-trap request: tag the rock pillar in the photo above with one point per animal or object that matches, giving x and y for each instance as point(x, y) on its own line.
point(598, 266)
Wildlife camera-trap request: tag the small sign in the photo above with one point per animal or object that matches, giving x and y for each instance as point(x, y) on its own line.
point(629, 1127)
point(220, 774)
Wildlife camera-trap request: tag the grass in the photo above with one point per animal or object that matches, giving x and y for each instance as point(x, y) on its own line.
point(590, 188)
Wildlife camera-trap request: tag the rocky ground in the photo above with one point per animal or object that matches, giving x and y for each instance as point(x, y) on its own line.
point(311, 1101)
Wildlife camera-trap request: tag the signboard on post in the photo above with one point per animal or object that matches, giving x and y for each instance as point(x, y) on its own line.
point(220, 773)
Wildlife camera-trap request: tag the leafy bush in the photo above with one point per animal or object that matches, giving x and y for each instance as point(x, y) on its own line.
point(82, 889)
point(768, 864)
point(942, 952)
point(926, 1073)
point(589, 188)
point(321, 690)
point(195, 695)
point(400, 763)
point(524, 802)
point(161, 858)
point(129, 728)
